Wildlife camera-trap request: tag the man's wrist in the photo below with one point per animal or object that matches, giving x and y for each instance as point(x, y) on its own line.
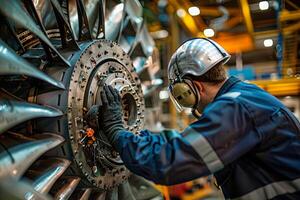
point(113, 132)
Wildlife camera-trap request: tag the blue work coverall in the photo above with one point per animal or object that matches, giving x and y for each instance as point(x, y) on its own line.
point(246, 137)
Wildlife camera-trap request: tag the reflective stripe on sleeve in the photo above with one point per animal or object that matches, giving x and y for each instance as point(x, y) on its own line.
point(204, 150)
point(272, 190)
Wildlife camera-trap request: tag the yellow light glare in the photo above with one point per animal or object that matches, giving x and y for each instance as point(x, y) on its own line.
point(194, 11)
point(180, 13)
point(208, 32)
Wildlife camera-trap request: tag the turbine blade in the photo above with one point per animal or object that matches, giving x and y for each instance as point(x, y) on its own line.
point(134, 9)
point(62, 24)
point(15, 112)
point(124, 44)
point(73, 17)
point(144, 44)
point(101, 20)
point(52, 169)
point(86, 194)
point(84, 29)
point(155, 83)
point(113, 22)
point(112, 194)
point(13, 64)
point(17, 159)
point(18, 190)
point(133, 21)
point(139, 64)
point(99, 196)
point(66, 191)
point(95, 16)
point(125, 192)
point(14, 11)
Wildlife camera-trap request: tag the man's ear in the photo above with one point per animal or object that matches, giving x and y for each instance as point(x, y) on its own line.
point(199, 86)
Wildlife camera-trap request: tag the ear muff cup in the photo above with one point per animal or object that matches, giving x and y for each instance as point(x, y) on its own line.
point(184, 94)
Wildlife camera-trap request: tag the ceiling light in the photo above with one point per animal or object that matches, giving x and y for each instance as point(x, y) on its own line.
point(208, 32)
point(162, 3)
point(268, 42)
point(160, 34)
point(263, 5)
point(194, 11)
point(180, 13)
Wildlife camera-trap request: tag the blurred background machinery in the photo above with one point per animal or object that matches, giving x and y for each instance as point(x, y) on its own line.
point(55, 56)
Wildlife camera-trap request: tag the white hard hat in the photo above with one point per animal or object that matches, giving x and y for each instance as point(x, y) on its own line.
point(195, 57)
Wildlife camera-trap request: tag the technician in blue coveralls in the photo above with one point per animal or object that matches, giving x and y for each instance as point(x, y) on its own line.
point(244, 136)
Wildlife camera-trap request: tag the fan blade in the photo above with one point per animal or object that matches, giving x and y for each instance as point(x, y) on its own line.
point(133, 22)
point(12, 64)
point(95, 15)
point(84, 29)
point(18, 190)
point(100, 29)
point(124, 43)
point(139, 64)
point(113, 22)
point(73, 17)
point(87, 193)
point(134, 9)
point(99, 196)
point(14, 11)
point(92, 11)
point(16, 160)
point(144, 44)
point(4, 94)
point(62, 24)
point(112, 194)
point(52, 169)
point(66, 191)
point(125, 192)
point(132, 26)
point(15, 112)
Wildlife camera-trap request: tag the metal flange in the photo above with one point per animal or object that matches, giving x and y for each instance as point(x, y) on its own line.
point(102, 62)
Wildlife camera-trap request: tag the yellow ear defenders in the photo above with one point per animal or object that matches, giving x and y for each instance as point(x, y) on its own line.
point(185, 94)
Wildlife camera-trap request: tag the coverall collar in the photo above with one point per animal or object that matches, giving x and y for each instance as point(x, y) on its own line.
point(227, 85)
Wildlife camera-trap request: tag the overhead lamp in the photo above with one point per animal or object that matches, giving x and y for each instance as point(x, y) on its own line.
point(160, 34)
point(162, 3)
point(268, 42)
point(208, 32)
point(194, 11)
point(180, 13)
point(263, 5)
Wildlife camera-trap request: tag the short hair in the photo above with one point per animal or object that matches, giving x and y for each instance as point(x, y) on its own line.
point(215, 75)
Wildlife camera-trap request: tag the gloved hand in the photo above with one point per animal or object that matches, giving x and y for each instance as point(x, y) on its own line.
point(110, 113)
point(92, 117)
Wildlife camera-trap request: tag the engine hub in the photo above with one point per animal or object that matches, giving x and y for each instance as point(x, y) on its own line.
point(101, 62)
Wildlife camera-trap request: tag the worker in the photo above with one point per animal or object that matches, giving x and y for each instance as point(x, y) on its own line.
point(244, 136)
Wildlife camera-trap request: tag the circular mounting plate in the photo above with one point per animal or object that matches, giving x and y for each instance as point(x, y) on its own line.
point(102, 62)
